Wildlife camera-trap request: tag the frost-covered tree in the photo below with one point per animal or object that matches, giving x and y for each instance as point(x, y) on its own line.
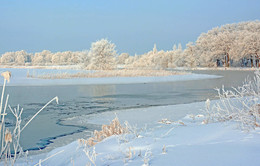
point(154, 49)
point(65, 56)
point(83, 56)
point(191, 58)
point(121, 59)
point(38, 59)
point(16, 58)
point(179, 47)
point(102, 55)
point(129, 61)
point(42, 58)
point(229, 43)
point(154, 59)
point(47, 55)
point(174, 48)
point(8, 57)
point(252, 47)
point(20, 57)
point(55, 59)
point(223, 44)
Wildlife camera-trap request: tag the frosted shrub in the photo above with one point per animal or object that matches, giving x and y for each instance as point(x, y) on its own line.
point(240, 104)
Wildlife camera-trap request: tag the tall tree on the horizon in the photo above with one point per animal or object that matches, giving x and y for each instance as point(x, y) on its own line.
point(102, 53)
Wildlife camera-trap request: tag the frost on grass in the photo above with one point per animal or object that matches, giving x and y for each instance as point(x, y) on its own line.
point(108, 73)
point(10, 148)
point(240, 104)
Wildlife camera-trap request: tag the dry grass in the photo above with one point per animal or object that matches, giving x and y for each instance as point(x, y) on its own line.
point(114, 128)
point(108, 73)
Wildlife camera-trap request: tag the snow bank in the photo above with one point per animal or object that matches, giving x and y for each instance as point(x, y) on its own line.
point(19, 78)
point(186, 142)
point(139, 116)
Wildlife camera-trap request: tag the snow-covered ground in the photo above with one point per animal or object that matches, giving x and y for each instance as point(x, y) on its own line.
point(19, 78)
point(184, 141)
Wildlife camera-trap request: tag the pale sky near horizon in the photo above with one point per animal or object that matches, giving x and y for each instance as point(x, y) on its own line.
point(133, 25)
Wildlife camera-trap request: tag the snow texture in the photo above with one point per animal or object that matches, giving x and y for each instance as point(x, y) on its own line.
point(186, 142)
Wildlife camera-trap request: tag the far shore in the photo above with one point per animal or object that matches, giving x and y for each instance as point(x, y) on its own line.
point(73, 67)
point(80, 67)
point(108, 73)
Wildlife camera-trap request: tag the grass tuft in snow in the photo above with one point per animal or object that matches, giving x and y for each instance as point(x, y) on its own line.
point(114, 128)
point(147, 156)
point(164, 150)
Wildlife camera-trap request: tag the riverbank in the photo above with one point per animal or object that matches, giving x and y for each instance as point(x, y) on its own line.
point(109, 73)
point(58, 67)
point(81, 67)
point(184, 141)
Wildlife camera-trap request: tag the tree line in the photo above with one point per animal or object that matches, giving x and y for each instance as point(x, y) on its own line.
point(235, 45)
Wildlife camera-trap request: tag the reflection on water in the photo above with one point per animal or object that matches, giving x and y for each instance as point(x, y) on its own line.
point(78, 100)
point(97, 92)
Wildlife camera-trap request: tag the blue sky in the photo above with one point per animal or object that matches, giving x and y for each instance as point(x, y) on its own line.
point(133, 25)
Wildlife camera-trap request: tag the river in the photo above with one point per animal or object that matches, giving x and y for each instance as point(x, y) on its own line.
point(47, 130)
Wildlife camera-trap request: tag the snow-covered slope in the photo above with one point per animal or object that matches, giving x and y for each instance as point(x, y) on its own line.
point(180, 142)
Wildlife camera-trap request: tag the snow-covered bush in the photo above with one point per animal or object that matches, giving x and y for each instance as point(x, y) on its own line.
point(241, 104)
